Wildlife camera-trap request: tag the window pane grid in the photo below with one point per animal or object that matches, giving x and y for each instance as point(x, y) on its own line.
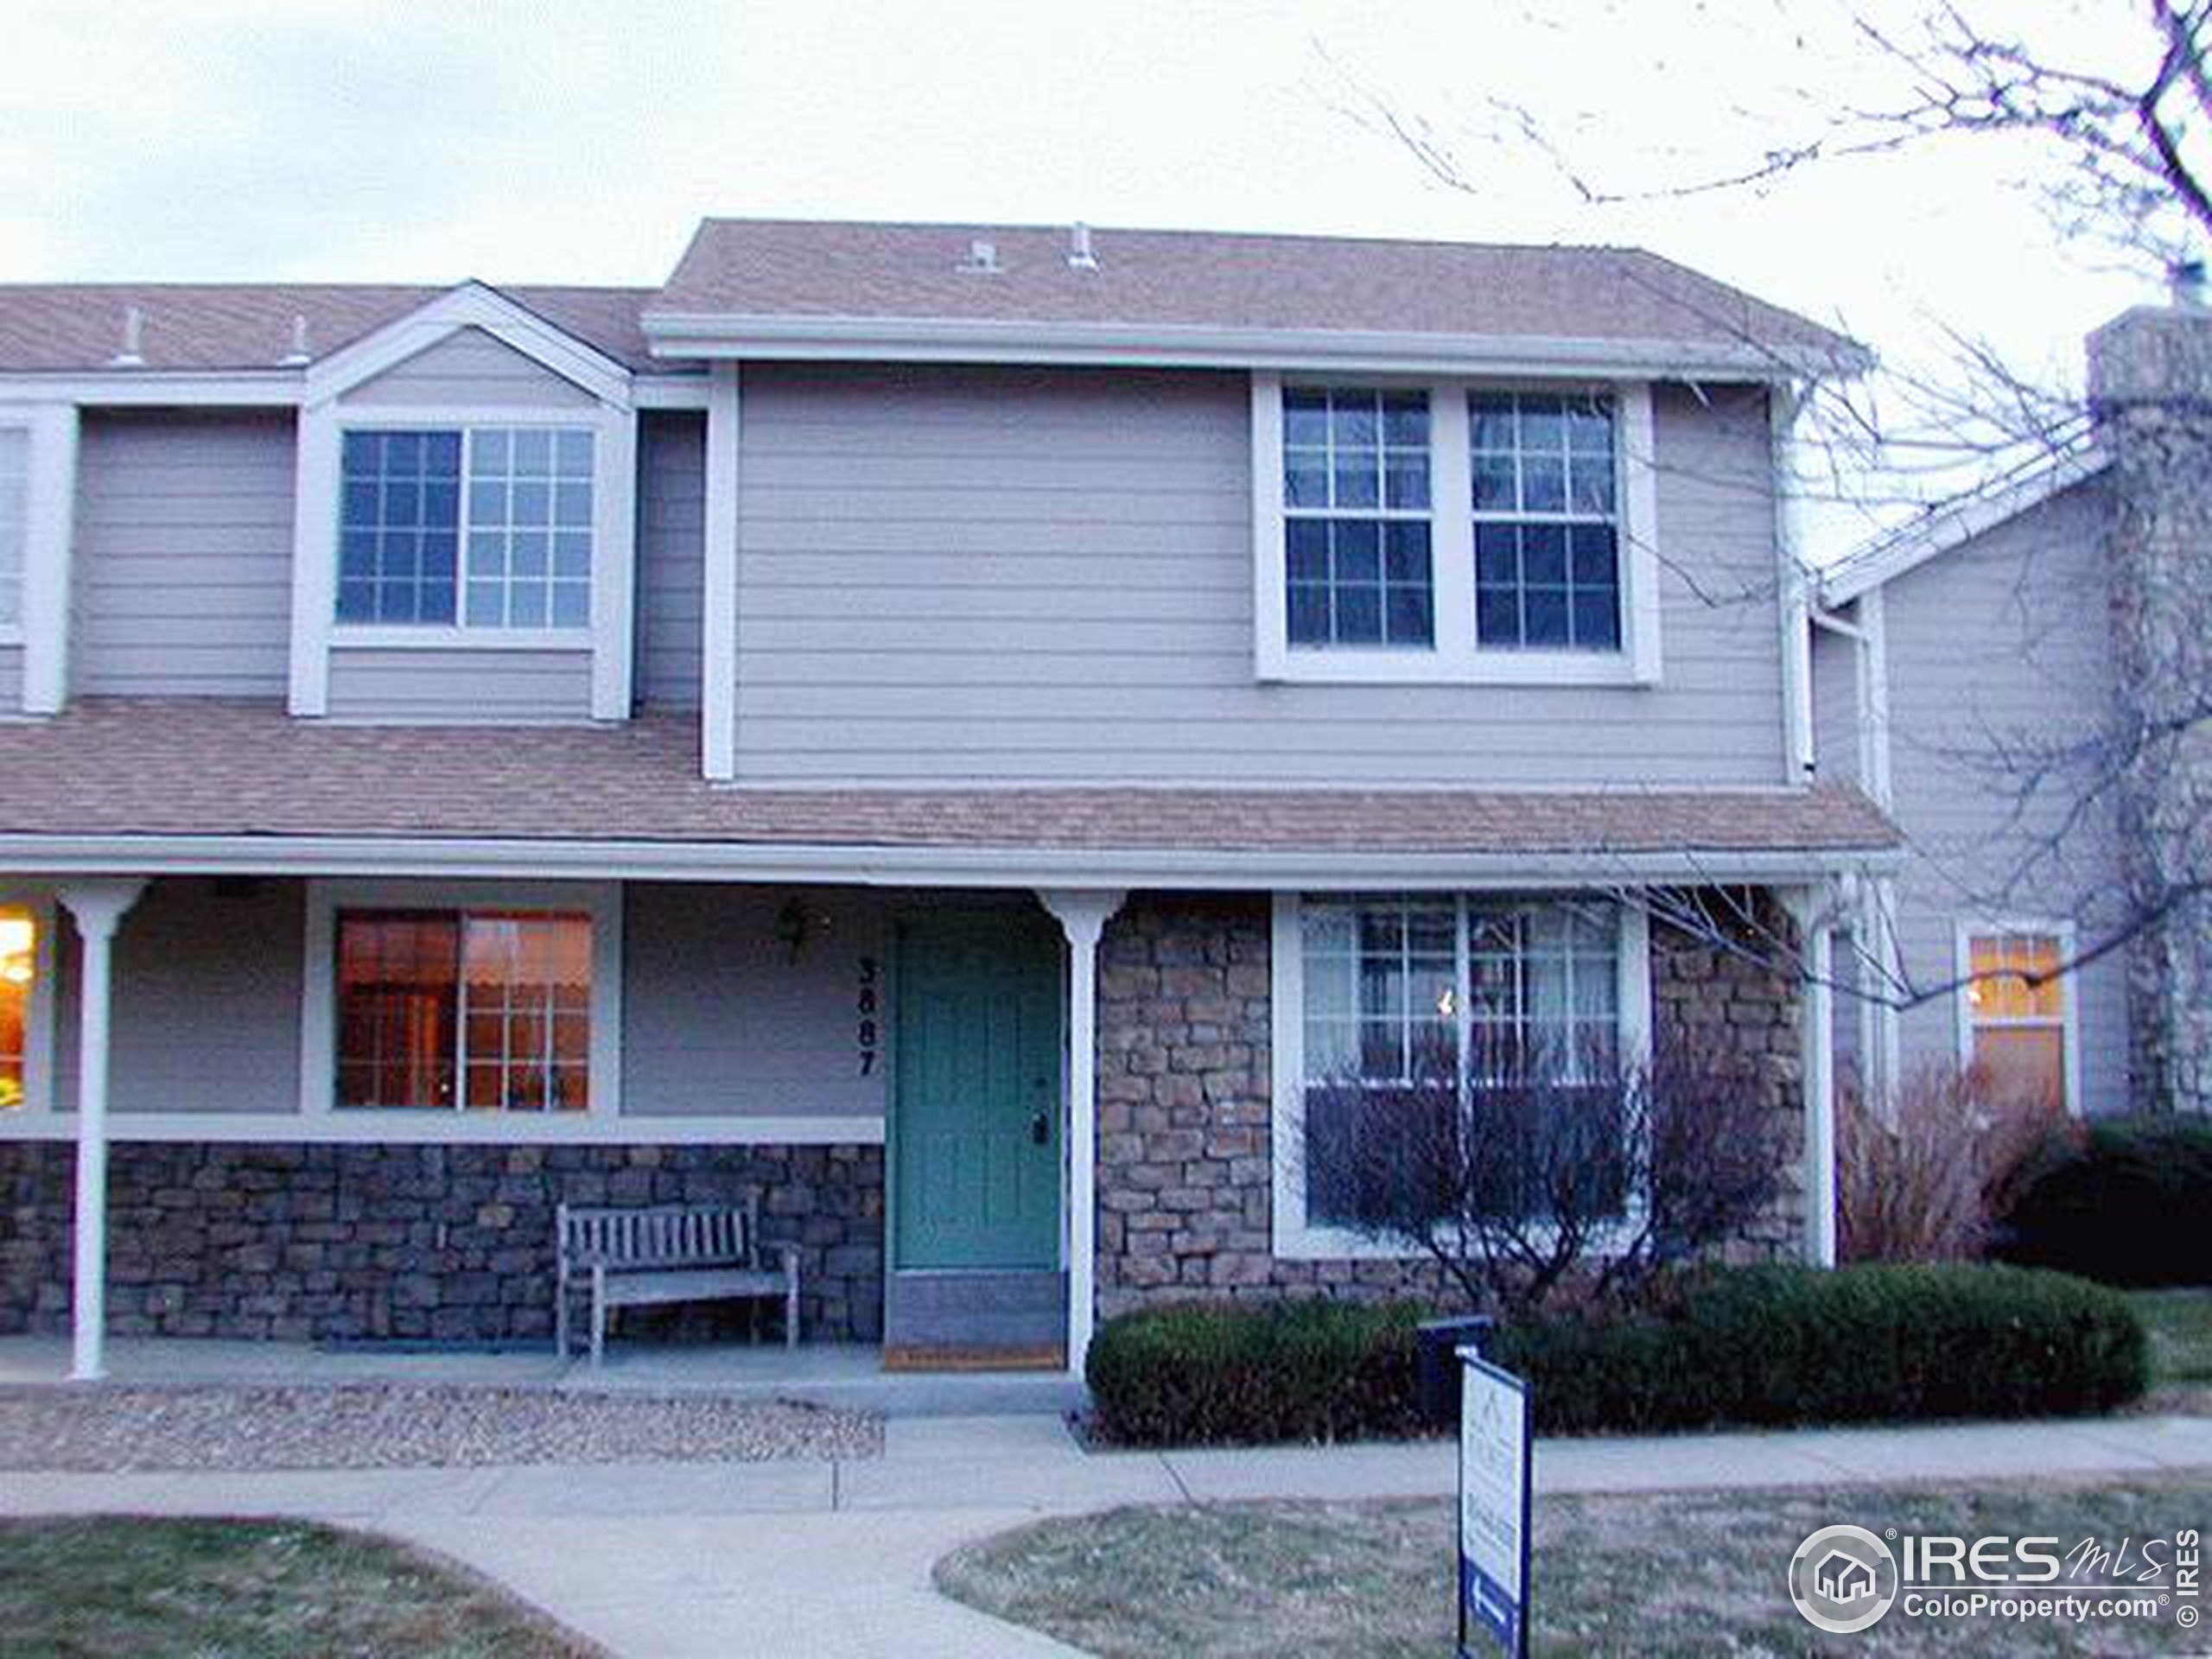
point(18, 963)
point(1356, 500)
point(1547, 532)
point(2015, 1012)
point(485, 1010)
point(503, 540)
point(14, 520)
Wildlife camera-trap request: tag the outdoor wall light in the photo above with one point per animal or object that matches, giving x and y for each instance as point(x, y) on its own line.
point(792, 928)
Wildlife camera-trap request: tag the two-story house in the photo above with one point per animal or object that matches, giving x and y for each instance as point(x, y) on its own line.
point(2019, 681)
point(947, 730)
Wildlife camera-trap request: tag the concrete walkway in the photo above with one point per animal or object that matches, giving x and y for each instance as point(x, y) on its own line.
point(822, 1560)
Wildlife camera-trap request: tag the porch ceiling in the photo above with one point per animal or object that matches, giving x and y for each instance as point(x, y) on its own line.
point(115, 772)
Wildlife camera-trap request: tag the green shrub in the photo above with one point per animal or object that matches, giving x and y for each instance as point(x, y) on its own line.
point(1780, 1345)
point(1199, 1373)
point(2122, 1200)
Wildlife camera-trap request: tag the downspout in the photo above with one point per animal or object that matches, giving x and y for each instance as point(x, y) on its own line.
point(1785, 404)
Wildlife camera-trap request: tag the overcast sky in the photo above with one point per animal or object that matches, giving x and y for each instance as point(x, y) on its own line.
point(579, 142)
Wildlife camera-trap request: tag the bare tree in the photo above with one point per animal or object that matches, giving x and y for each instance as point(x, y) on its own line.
point(2107, 114)
point(1550, 1171)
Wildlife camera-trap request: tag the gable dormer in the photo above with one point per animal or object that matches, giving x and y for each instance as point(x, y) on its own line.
point(462, 543)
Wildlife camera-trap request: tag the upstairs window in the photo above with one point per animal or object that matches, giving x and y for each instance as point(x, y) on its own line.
point(1356, 517)
point(1546, 527)
point(15, 521)
point(480, 527)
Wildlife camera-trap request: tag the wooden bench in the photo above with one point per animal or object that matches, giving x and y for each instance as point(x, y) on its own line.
point(636, 1258)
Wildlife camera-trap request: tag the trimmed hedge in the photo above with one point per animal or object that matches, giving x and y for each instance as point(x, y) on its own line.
point(1767, 1347)
point(2122, 1200)
point(1198, 1373)
point(1775, 1346)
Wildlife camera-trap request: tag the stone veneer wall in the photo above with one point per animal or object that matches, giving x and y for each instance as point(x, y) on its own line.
point(1185, 1192)
point(2150, 385)
point(426, 1242)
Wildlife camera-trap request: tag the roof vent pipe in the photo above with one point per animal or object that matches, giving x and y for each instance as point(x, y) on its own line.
point(2185, 280)
point(981, 257)
point(299, 355)
point(134, 326)
point(1080, 258)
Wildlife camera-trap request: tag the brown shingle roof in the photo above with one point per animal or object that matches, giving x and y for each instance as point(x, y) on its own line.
point(206, 327)
point(126, 767)
point(783, 267)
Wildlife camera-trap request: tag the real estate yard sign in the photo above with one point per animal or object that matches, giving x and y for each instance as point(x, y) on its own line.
point(1493, 1510)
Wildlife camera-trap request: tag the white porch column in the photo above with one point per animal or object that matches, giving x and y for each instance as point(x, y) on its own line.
point(97, 908)
point(1816, 1041)
point(1082, 915)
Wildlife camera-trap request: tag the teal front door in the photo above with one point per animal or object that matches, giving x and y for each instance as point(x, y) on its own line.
point(975, 1111)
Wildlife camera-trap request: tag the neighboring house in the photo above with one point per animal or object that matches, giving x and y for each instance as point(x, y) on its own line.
point(948, 731)
point(1976, 674)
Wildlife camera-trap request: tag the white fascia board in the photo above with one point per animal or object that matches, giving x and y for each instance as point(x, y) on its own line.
point(255, 389)
point(920, 867)
point(1892, 557)
point(675, 335)
point(156, 389)
point(472, 305)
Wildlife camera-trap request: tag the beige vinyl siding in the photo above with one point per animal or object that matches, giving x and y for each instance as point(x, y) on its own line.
point(458, 684)
point(720, 1019)
point(469, 368)
point(181, 578)
point(671, 521)
point(205, 1014)
point(2001, 641)
point(971, 575)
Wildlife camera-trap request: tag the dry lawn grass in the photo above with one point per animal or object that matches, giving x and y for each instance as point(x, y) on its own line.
point(1641, 1577)
point(111, 1586)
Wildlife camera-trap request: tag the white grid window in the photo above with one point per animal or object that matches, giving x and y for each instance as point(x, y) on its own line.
point(1397, 988)
point(1356, 517)
point(1547, 528)
point(513, 505)
point(1544, 987)
point(528, 534)
point(14, 520)
point(486, 1009)
point(2015, 1016)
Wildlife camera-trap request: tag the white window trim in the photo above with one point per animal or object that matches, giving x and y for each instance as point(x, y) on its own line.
point(1976, 927)
point(42, 630)
point(38, 1107)
point(316, 632)
point(1456, 658)
point(1294, 1238)
point(600, 900)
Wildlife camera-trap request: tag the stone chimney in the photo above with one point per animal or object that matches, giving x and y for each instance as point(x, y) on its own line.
point(2150, 391)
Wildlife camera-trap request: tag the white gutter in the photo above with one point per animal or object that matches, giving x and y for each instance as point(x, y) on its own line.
point(950, 340)
point(1795, 583)
point(920, 867)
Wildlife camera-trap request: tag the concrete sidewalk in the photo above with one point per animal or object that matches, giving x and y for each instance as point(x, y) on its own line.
point(825, 1559)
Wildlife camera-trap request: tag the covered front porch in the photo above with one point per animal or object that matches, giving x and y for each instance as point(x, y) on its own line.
point(260, 1106)
point(846, 1376)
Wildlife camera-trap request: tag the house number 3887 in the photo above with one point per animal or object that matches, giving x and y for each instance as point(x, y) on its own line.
point(869, 1004)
